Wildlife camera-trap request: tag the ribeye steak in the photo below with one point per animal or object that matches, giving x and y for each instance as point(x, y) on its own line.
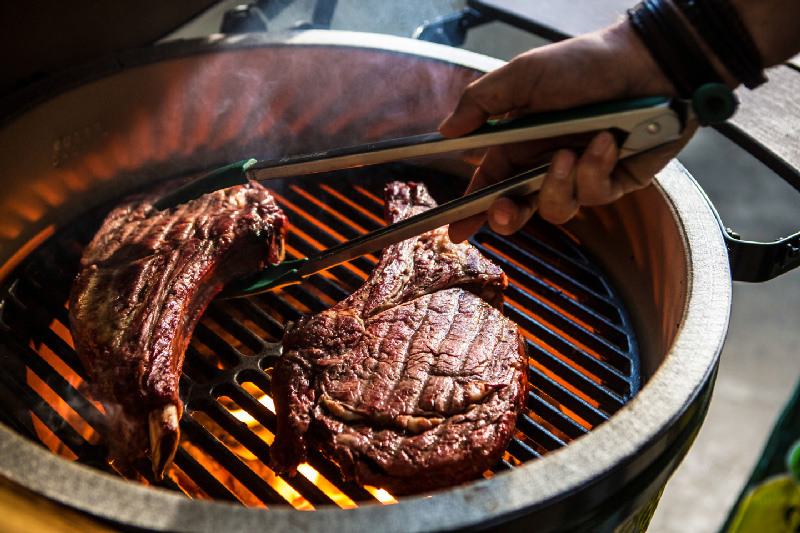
point(144, 280)
point(412, 383)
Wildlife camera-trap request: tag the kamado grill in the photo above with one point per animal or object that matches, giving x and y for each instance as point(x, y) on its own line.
point(624, 329)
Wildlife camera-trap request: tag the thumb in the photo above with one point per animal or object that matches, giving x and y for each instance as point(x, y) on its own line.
point(490, 95)
point(466, 117)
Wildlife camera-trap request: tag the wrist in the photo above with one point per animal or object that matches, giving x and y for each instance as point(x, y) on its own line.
point(643, 76)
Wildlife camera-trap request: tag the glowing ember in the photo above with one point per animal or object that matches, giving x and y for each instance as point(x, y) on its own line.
point(339, 498)
point(380, 494)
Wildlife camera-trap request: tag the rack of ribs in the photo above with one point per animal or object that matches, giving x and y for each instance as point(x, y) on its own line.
point(412, 383)
point(143, 282)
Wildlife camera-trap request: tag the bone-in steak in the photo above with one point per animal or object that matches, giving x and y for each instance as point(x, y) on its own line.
point(144, 280)
point(415, 381)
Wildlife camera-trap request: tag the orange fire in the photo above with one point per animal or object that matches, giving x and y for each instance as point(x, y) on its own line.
point(174, 472)
point(252, 451)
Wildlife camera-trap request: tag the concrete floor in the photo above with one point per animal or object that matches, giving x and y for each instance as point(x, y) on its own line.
point(758, 368)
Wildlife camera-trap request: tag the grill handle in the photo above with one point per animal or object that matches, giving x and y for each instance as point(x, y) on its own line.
point(755, 261)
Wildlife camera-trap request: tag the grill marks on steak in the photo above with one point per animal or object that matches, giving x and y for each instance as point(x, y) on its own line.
point(143, 283)
point(412, 383)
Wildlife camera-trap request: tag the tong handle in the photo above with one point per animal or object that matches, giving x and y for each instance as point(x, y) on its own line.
point(603, 115)
point(646, 123)
point(621, 115)
point(293, 271)
point(221, 178)
point(460, 208)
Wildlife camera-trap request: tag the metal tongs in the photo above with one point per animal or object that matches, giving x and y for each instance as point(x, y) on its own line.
point(639, 125)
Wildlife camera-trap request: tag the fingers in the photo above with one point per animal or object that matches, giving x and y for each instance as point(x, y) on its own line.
point(562, 75)
point(594, 182)
point(557, 199)
point(507, 216)
point(491, 95)
point(464, 229)
point(496, 165)
point(594, 178)
point(483, 177)
point(467, 116)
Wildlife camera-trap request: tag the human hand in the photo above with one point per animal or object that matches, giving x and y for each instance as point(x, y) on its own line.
point(603, 66)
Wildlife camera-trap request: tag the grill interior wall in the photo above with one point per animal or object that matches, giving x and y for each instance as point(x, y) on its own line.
point(583, 362)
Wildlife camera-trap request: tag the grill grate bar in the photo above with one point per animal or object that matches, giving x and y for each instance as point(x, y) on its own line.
point(540, 434)
point(594, 360)
point(570, 364)
point(254, 313)
point(502, 466)
point(42, 333)
point(561, 269)
point(606, 336)
point(303, 294)
point(194, 362)
point(279, 305)
point(260, 449)
point(333, 203)
point(554, 415)
point(220, 453)
point(47, 415)
point(236, 328)
point(522, 451)
point(24, 400)
point(563, 396)
point(202, 477)
point(59, 385)
point(220, 347)
point(582, 365)
point(266, 418)
point(11, 397)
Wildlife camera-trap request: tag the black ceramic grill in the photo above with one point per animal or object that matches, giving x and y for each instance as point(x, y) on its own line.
point(583, 367)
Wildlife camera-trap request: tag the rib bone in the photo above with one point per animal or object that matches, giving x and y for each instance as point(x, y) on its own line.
point(164, 437)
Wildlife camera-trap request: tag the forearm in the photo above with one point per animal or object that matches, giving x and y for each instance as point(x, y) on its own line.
point(774, 26)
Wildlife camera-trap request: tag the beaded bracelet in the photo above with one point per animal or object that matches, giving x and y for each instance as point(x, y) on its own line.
point(721, 28)
point(672, 46)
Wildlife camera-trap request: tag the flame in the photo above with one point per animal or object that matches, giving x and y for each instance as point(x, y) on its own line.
point(380, 494)
point(339, 498)
point(254, 456)
point(306, 470)
point(55, 401)
point(25, 250)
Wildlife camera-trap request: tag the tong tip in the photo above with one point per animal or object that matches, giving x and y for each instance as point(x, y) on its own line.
point(221, 178)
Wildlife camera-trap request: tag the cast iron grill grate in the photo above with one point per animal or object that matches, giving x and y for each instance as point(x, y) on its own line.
point(584, 362)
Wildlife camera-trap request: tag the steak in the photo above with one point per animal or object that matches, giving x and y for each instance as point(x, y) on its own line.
point(412, 383)
point(143, 282)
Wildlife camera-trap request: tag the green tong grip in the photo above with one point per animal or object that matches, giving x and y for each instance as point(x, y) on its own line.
point(221, 178)
point(714, 103)
point(566, 115)
point(272, 277)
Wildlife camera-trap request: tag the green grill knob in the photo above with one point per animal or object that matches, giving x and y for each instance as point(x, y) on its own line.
point(714, 103)
point(793, 461)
